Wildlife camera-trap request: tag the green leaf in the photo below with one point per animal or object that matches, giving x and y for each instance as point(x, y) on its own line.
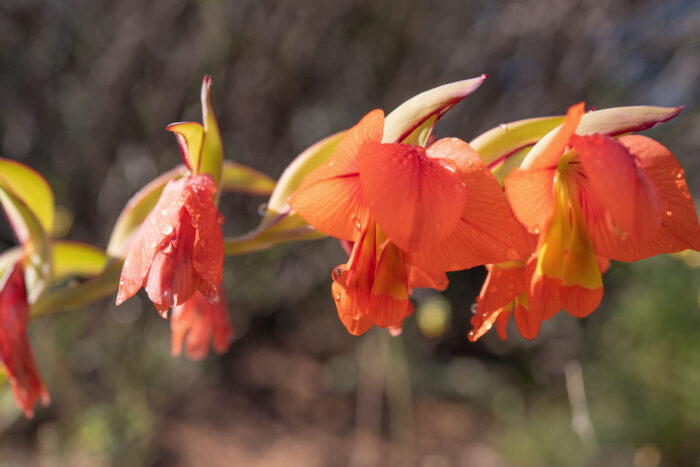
point(29, 186)
point(240, 178)
point(411, 114)
point(190, 136)
point(76, 259)
point(506, 139)
point(212, 149)
point(137, 209)
point(35, 242)
point(77, 295)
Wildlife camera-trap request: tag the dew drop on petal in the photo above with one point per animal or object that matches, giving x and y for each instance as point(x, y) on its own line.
point(167, 230)
point(669, 213)
point(337, 297)
point(337, 272)
point(215, 299)
point(472, 335)
point(502, 126)
point(262, 209)
point(154, 245)
point(474, 308)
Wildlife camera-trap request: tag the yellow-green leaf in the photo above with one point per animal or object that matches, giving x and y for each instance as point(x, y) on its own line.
point(76, 259)
point(240, 178)
point(136, 210)
point(212, 149)
point(35, 242)
point(77, 295)
point(508, 138)
point(189, 136)
point(29, 186)
point(411, 114)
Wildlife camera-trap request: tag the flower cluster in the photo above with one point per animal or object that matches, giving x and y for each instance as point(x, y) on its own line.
point(406, 207)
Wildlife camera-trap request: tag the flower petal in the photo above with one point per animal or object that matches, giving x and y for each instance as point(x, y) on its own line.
point(530, 194)
point(487, 231)
point(421, 277)
point(580, 301)
point(389, 295)
point(679, 223)
point(330, 198)
point(416, 201)
point(546, 152)
point(630, 199)
point(504, 282)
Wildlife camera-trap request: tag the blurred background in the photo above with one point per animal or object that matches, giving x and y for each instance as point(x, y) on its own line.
point(86, 90)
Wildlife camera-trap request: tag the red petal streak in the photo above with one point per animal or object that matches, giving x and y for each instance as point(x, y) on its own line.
point(415, 200)
point(630, 199)
point(15, 348)
point(330, 198)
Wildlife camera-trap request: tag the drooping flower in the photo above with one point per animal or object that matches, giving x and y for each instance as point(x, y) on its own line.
point(411, 213)
point(196, 323)
point(590, 199)
point(178, 249)
point(15, 349)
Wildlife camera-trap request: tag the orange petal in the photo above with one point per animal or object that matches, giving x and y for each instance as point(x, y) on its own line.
point(527, 318)
point(483, 322)
point(580, 301)
point(545, 154)
point(679, 223)
point(416, 201)
point(330, 198)
point(630, 199)
point(503, 283)
point(420, 277)
point(355, 323)
point(389, 296)
point(487, 231)
point(502, 323)
point(530, 194)
point(543, 295)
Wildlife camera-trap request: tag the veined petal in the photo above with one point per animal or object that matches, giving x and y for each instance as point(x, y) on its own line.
point(330, 198)
point(421, 277)
point(527, 318)
point(415, 200)
point(482, 322)
point(580, 301)
point(679, 228)
point(632, 202)
point(546, 152)
point(530, 194)
point(389, 295)
point(487, 231)
point(504, 282)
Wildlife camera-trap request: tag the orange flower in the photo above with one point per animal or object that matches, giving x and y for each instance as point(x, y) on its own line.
point(197, 322)
point(15, 349)
point(412, 213)
point(178, 249)
point(590, 199)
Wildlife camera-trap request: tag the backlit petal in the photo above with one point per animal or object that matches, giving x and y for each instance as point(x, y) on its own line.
point(416, 201)
point(630, 199)
point(530, 194)
point(545, 154)
point(330, 198)
point(389, 295)
point(679, 223)
point(580, 301)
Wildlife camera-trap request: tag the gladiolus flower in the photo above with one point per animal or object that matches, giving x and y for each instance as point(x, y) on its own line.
point(590, 199)
point(196, 323)
point(411, 213)
point(15, 349)
point(178, 249)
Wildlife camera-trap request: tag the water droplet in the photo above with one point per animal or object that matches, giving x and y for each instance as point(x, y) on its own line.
point(669, 213)
point(358, 225)
point(502, 126)
point(484, 315)
point(472, 335)
point(262, 209)
point(121, 283)
point(164, 212)
point(535, 230)
point(215, 299)
point(337, 272)
point(154, 245)
point(679, 174)
point(167, 230)
point(474, 308)
point(511, 254)
point(337, 297)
